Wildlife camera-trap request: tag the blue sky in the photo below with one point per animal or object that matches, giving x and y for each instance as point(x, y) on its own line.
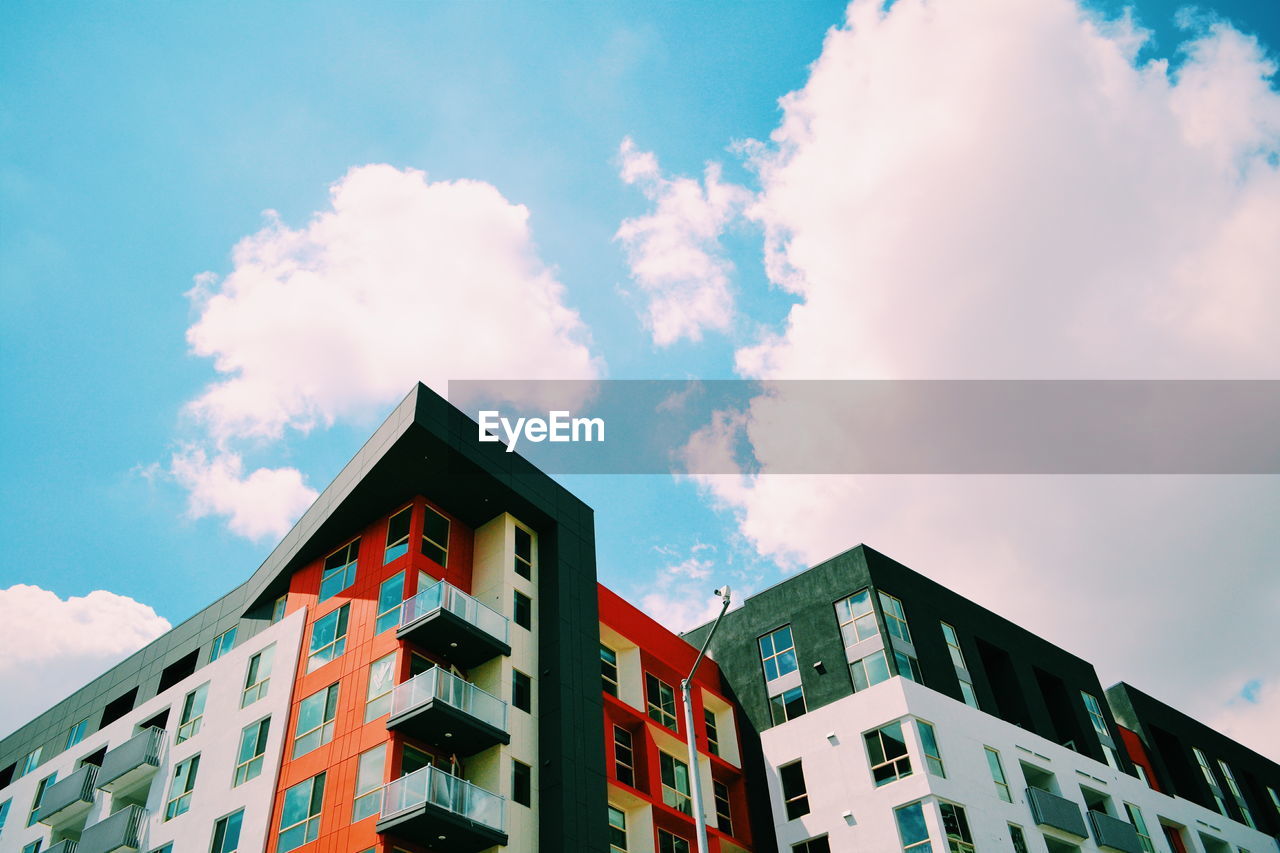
point(139, 144)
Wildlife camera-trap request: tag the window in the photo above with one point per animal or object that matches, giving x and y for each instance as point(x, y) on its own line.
point(382, 677)
point(397, 535)
point(1016, 838)
point(813, 845)
point(795, 796)
point(390, 597)
point(997, 774)
point(1095, 715)
point(962, 669)
point(908, 666)
point(955, 826)
point(4, 812)
point(912, 829)
point(339, 570)
point(675, 782)
point(724, 817)
point(222, 644)
point(33, 847)
point(192, 713)
point(662, 701)
point(887, 752)
point(713, 733)
point(857, 618)
point(966, 691)
point(77, 733)
point(1275, 798)
point(932, 756)
point(1140, 824)
point(1236, 794)
point(300, 817)
point(617, 830)
point(521, 691)
point(412, 759)
point(370, 769)
point(778, 653)
point(524, 553)
point(184, 782)
point(522, 610)
point(870, 670)
point(253, 746)
point(608, 670)
point(670, 843)
point(894, 617)
point(624, 756)
point(316, 714)
point(257, 677)
point(435, 537)
point(787, 705)
point(1208, 778)
point(31, 762)
point(278, 608)
point(226, 833)
point(521, 783)
point(328, 638)
point(41, 787)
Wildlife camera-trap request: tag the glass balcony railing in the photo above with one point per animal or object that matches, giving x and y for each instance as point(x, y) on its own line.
point(437, 685)
point(436, 788)
point(448, 598)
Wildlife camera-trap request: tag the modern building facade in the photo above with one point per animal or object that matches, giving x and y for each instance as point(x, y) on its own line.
point(427, 664)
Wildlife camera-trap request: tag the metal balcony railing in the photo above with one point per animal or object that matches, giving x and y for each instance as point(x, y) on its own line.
point(1056, 812)
point(1114, 834)
point(69, 798)
point(137, 757)
point(438, 685)
point(444, 596)
point(120, 831)
point(434, 787)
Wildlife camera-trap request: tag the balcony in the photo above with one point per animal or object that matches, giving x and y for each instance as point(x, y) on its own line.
point(132, 763)
point(437, 809)
point(69, 801)
point(446, 620)
point(67, 846)
point(1056, 812)
point(1112, 833)
point(120, 831)
point(448, 713)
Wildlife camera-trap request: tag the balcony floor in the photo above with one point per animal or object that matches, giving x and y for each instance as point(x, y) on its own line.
point(446, 633)
point(447, 728)
point(439, 829)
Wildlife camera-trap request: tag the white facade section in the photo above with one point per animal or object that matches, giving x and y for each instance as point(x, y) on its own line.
point(855, 814)
point(217, 743)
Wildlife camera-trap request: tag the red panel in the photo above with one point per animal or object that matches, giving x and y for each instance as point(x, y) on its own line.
point(1138, 755)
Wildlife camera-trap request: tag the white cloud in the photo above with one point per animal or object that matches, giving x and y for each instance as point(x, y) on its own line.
point(50, 646)
point(674, 252)
point(263, 504)
point(681, 596)
point(1253, 720)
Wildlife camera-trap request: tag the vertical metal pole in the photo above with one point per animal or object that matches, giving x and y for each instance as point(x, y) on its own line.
point(695, 775)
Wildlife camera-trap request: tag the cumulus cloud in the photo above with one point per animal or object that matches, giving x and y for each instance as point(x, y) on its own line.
point(50, 646)
point(674, 252)
point(681, 596)
point(262, 504)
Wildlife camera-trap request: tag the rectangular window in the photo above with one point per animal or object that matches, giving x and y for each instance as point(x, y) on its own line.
point(435, 537)
point(300, 817)
point(524, 554)
point(795, 796)
point(997, 775)
point(608, 670)
point(1236, 794)
point(967, 693)
point(962, 669)
point(813, 845)
point(382, 678)
point(1275, 798)
point(192, 713)
point(887, 752)
point(29, 763)
point(670, 843)
point(253, 748)
point(33, 847)
point(521, 691)
point(77, 733)
point(339, 570)
point(370, 769)
point(724, 817)
point(955, 825)
point(662, 701)
point(257, 677)
point(908, 666)
point(787, 705)
point(912, 829)
point(181, 788)
point(870, 670)
point(328, 638)
point(522, 610)
point(316, 716)
point(1140, 824)
point(1017, 839)
point(624, 756)
point(4, 812)
point(895, 618)
point(521, 783)
point(932, 755)
point(617, 830)
point(856, 617)
point(222, 644)
point(41, 787)
point(713, 733)
point(1212, 782)
point(390, 597)
point(675, 782)
point(1095, 715)
point(397, 535)
point(226, 833)
point(778, 653)
point(278, 608)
